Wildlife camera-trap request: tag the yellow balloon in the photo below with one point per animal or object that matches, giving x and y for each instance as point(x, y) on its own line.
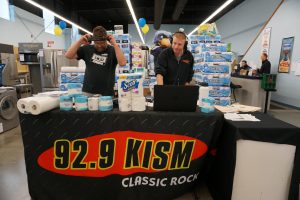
point(57, 31)
point(145, 29)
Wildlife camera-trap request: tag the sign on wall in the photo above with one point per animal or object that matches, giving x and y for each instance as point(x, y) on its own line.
point(286, 55)
point(265, 43)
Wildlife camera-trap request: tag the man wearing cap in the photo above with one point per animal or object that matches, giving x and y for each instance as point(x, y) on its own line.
point(101, 60)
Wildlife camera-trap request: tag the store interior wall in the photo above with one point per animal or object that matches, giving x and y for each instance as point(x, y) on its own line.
point(150, 35)
point(13, 32)
point(285, 23)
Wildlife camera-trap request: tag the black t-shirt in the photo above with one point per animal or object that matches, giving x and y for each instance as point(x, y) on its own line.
point(100, 69)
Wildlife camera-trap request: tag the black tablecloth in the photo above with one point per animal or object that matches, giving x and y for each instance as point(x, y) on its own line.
point(268, 129)
point(114, 148)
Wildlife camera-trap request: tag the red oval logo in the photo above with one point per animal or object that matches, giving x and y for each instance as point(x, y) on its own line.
point(123, 153)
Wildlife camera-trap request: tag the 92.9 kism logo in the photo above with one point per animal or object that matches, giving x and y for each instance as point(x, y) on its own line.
point(123, 153)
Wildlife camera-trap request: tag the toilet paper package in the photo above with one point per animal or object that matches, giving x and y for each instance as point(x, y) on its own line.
point(38, 105)
point(125, 104)
point(63, 87)
point(219, 91)
point(198, 58)
point(71, 77)
point(93, 103)
point(218, 57)
point(213, 79)
point(222, 101)
point(72, 69)
point(215, 67)
point(214, 47)
point(138, 104)
point(105, 103)
point(208, 105)
point(81, 103)
point(74, 89)
point(130, 85)
point(65, 103)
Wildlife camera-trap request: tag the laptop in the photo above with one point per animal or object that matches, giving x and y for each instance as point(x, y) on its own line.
point(175, 98)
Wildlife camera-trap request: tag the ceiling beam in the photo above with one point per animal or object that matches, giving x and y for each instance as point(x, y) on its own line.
point(159, 7)
point(178, 9)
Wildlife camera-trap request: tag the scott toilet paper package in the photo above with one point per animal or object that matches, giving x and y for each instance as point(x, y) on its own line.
point(130, 85)
point(125, 104)
point(138, 104)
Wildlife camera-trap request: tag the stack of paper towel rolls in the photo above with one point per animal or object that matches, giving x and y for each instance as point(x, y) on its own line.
point(37, 105)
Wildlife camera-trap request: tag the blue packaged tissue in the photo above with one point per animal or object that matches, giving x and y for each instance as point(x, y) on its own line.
point(198, 58)
point(125, 39)
point(214, 47)
point(71, 77)
point(216, 91)
point(208, 105)
point(217, 39)
point(222, 101)
point(201, 38)
point(215, 79)
point(219, 67)
point(218, 57)
point(193, 39)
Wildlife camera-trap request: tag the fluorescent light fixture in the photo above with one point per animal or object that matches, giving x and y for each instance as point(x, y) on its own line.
point(58, 16)
point(134, 19)
point(212, 15)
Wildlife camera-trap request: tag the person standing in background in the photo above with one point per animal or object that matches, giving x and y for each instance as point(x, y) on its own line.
point(101, 60)
point(265, 65)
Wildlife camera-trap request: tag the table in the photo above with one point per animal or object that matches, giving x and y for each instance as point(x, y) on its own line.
point(115, 155)
point(251, 92)
point(270, 130)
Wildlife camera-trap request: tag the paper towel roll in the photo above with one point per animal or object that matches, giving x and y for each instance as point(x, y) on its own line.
point(125, 104)
point(93, 103)
point(138, 104)
point(23, 105)
point(38, 105)
point(72, 69)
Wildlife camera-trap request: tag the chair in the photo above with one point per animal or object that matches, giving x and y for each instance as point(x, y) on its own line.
point(233, 87)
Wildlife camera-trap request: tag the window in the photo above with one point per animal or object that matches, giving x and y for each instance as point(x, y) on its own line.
point(49, 22)
point(4, 5)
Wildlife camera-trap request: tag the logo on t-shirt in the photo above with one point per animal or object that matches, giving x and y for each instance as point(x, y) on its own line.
point(99, 59)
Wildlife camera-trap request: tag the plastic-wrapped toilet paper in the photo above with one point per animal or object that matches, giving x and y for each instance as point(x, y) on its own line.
point(23, 104)
point(81, 103)
point(130, 85)
point(93, 103)
point(105, 103)
point(38, 105)
point(66, 103)
point(72, 69)
point(125, 104)
point(74, 89)
point(138, 104)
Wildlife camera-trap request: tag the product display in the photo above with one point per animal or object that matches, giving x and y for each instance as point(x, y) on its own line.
point(105, 103)
point(212, 64)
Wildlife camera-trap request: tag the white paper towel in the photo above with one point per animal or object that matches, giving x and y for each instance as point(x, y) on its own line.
point(138, 104)
point(23, 105)
point(125, 104)
point(93, 103)
point(72, 69)
point(38, 105)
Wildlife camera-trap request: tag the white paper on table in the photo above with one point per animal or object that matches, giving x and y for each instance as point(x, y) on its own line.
point(297, 72)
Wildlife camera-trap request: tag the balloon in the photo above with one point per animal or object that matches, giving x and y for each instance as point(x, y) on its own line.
point(145, 29)
point(142, 22)
point(62, 25)
point(57, 30)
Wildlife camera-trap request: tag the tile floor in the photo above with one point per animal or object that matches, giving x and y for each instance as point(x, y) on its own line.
point(13, 179)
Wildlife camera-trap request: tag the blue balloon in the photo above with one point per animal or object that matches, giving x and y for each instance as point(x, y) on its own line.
point(142, 22)
point(62, 25)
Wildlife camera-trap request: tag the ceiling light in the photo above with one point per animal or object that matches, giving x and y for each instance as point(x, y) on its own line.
point(212, 15)
point(134, 19)
point(58, 16)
